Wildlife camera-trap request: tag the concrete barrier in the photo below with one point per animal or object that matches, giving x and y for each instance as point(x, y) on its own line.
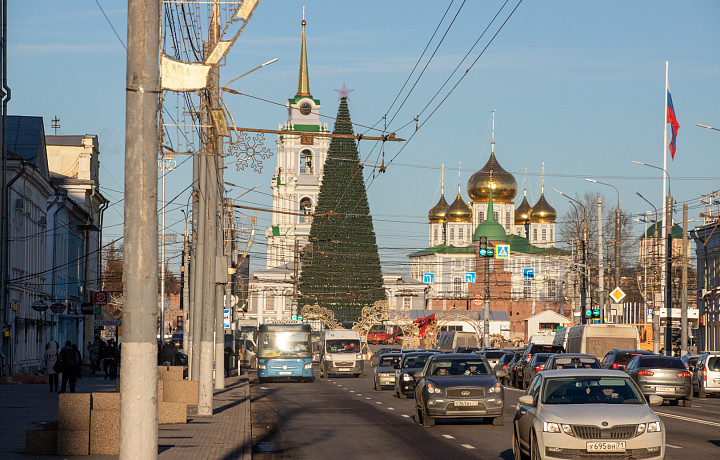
point(184, 391)
point(105, 401)
point(104, 432)
point(171, 413)
point(73, 442)
point(74, 412)
point(170, 372)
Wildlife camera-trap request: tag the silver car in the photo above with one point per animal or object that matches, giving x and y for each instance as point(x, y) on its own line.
point(587, 413)
point(665, 376)
point(384, 373)
point(707, 375)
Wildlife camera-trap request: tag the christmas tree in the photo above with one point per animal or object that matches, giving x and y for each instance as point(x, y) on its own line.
point(341, 266)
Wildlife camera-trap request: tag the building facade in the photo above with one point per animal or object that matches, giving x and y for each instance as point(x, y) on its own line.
point(707, 251)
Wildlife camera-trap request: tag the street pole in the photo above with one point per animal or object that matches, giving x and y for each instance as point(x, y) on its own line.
point(486, 304)
point(583, 295)
point(668, 278)
point(601, 263)
point(197, 270)
point(138, 394)
point(655, 320)
point(683, 298)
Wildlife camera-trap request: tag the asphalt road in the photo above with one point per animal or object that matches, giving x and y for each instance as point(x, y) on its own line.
point(345, 417)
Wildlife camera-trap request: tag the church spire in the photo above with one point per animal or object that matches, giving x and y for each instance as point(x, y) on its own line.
point(303, 77)
point(525, 183)
point(442, 181)
point(492, 143)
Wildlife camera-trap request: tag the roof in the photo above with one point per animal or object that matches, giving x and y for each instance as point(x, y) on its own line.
point(25, 138)
point(66, 141)
point(517, 244)
point(677, 231)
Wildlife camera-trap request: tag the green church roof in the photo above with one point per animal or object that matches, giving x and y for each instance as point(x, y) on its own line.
point(490, 228)
point(677, 231)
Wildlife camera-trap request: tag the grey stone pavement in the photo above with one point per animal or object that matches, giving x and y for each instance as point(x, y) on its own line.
point(224, 436)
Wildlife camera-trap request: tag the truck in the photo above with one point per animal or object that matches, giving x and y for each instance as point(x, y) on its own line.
point(598, 339)
point(340, 353)
point(448, 340)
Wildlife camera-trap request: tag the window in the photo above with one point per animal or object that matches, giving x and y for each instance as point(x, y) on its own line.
point(460, 234)
point(527, 289)
point(452, 235)
point(407, 303)
point(496, 216)
point(552, 289)
point(534, 238)
point(481, 217)
point(457, 287)
point(544, 234)
point(270, 302)
point(551, 235)
point(306, 162)
point(306, 208)
point(435, 235)
point(507, 219)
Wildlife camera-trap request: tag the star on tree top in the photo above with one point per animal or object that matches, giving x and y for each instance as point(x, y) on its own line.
point(344, 92)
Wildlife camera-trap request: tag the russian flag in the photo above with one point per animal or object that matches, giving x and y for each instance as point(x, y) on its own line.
point(670, 118)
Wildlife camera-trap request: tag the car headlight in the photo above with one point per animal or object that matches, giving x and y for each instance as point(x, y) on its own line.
point(407, 377)
point(328, 357)
point(652, 427)
point(495, 388)
point(308, 366)
point(552, 427)
point(359, 356)
point(261, 366)
point(433, 389)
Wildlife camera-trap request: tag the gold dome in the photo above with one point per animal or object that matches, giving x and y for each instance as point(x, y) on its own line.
point(479, 184)
point(542, 211)
point(439, 212)
point(459, 211)
point(522, 213)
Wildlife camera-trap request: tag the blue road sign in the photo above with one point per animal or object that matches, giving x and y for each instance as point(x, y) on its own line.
point(529, 273)
point(428, 277)
point(502, 251)
point(226, 318)
point(469, 277)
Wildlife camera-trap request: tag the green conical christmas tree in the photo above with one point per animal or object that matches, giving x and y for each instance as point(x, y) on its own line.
point(341, 267)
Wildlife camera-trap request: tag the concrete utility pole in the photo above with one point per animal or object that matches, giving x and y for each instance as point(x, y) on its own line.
point(138, 395)
point(668, 277)
point(683, 298)
point(601, 264)
point(198, 268)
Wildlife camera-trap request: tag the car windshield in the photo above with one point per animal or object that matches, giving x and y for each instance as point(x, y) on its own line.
point(542, 358)
point(448, 367)
point(342, 346)
point(590, 390)
point(575, 362)
point(415, 360)
point(389, 361)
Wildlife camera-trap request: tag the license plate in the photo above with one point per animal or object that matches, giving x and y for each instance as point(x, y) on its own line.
point(665, 389)
point(344, 369)
point(284, 373)
point(466, 403)
point(600, 446)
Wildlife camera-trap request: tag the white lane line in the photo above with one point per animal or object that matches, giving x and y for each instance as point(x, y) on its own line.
point(263, 388)
point(391, 408)
point(367, 398)
point(352, 391)
point(405, 416)
point(672, 446)
point(467, 446)
point(447, 436)
point(688, 419)
point(358, 394)
point(378, 402)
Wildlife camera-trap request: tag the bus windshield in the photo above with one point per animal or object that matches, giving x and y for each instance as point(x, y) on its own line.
point(284, 344)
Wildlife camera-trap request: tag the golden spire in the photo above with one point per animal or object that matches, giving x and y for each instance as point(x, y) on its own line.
point(459, 166)
point(525, 183)
point(542, 180)
point(442, 181)
point(492, 143)
point(303, 77)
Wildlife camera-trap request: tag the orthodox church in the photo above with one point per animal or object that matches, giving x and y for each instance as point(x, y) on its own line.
point(535, 276)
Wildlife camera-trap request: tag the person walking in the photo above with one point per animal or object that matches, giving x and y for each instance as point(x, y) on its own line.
point(71, 363)
point(51, 359)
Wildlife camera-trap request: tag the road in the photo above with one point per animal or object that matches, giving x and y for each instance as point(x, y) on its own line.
point(345, 417)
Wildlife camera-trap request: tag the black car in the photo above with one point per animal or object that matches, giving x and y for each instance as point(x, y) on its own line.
point(531, 350)
point(533, 366)
point(493, 356)
point(376, 355)
point(458, 385)
point(618, 359)
point(405, 374)
point(512, 368)
point(503, 364)
point(464, 349)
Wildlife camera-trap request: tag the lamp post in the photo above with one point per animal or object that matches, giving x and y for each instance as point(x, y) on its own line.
point(708, 127)
point(655, 317)
point(666, 273)
point(617, 231)
point(583, 292)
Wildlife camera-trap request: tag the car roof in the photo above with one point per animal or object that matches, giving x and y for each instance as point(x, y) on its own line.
point(583, 373)
point(574, 355)
point(459, 356)
point(382, 355)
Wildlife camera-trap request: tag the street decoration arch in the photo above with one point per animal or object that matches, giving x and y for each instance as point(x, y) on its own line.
point(322, 314)
point(380, 312)
point(442, 318)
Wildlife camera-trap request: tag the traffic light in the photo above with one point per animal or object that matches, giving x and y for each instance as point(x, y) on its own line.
point(486, 249)
point(596, 315)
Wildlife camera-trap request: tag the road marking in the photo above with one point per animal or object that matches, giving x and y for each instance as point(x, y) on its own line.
point(447, 436)
point(352, 391)
point(378, 402)
point(672, 446)
point(263, 388)
point(368, 398)
point(391, 408)
point(358, 394)
point(467, 446)
point(689, 419)
point(405, 415)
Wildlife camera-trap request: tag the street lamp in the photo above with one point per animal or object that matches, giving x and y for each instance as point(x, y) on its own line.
point(583, 293)
point(655, 318)
point(708, 127)
point(617, 231)
point(666, 273)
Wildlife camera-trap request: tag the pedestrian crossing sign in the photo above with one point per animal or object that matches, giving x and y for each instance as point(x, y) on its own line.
point(502, 251)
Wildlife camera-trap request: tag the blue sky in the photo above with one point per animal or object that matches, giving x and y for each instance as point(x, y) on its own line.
point(577, 85)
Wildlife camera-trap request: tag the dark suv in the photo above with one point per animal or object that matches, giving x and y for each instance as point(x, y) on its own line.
point(531, 350)
point(618, 359)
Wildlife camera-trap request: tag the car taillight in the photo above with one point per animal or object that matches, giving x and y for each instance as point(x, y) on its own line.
point(683, 374)
point(614, 366)
point(504, 366)
point(539, 368)
point(644, 372)
point(704, 373)
point(529, 356)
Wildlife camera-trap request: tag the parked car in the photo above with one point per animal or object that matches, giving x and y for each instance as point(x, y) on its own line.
point(572, 361)
point(405, 374)
point(503, 364)
point(528, 353)
point(618, 359)
point(664, 376)
point(384, 372)
point(581, 413)
point(458, 385)
point(533, 366)
point(382, 351)
point(707, 374)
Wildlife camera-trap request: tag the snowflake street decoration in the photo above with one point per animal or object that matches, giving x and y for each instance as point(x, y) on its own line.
point(250, 151)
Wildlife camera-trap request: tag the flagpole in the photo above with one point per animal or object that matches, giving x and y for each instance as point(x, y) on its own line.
point(663, 241)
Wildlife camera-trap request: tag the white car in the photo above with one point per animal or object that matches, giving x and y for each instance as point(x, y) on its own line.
point(584, 413)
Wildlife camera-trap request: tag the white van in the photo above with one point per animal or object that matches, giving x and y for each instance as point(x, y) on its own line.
point(598, 339)
point(448, 340)
point(341, 353)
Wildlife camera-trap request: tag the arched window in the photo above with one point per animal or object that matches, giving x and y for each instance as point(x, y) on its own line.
point(306, 208)
point(306, 162)
point(544, 234)
point(534, 238)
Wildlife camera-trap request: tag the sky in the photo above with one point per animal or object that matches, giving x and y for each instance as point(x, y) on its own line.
point(578, 86)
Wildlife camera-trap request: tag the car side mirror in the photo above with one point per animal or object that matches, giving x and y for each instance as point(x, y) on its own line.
point(527, 400)
point(655, 400)
point(418, 375)
point(501, 373)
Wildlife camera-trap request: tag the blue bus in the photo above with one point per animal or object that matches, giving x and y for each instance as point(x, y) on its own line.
point(284, 350)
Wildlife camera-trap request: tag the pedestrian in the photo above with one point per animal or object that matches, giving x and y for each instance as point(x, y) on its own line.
point(110, 360)
point(52, 364)
point(167, 354)
point(71, 363)
point(94, 349)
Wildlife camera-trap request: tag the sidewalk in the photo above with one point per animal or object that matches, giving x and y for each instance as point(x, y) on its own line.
point(224, 436)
